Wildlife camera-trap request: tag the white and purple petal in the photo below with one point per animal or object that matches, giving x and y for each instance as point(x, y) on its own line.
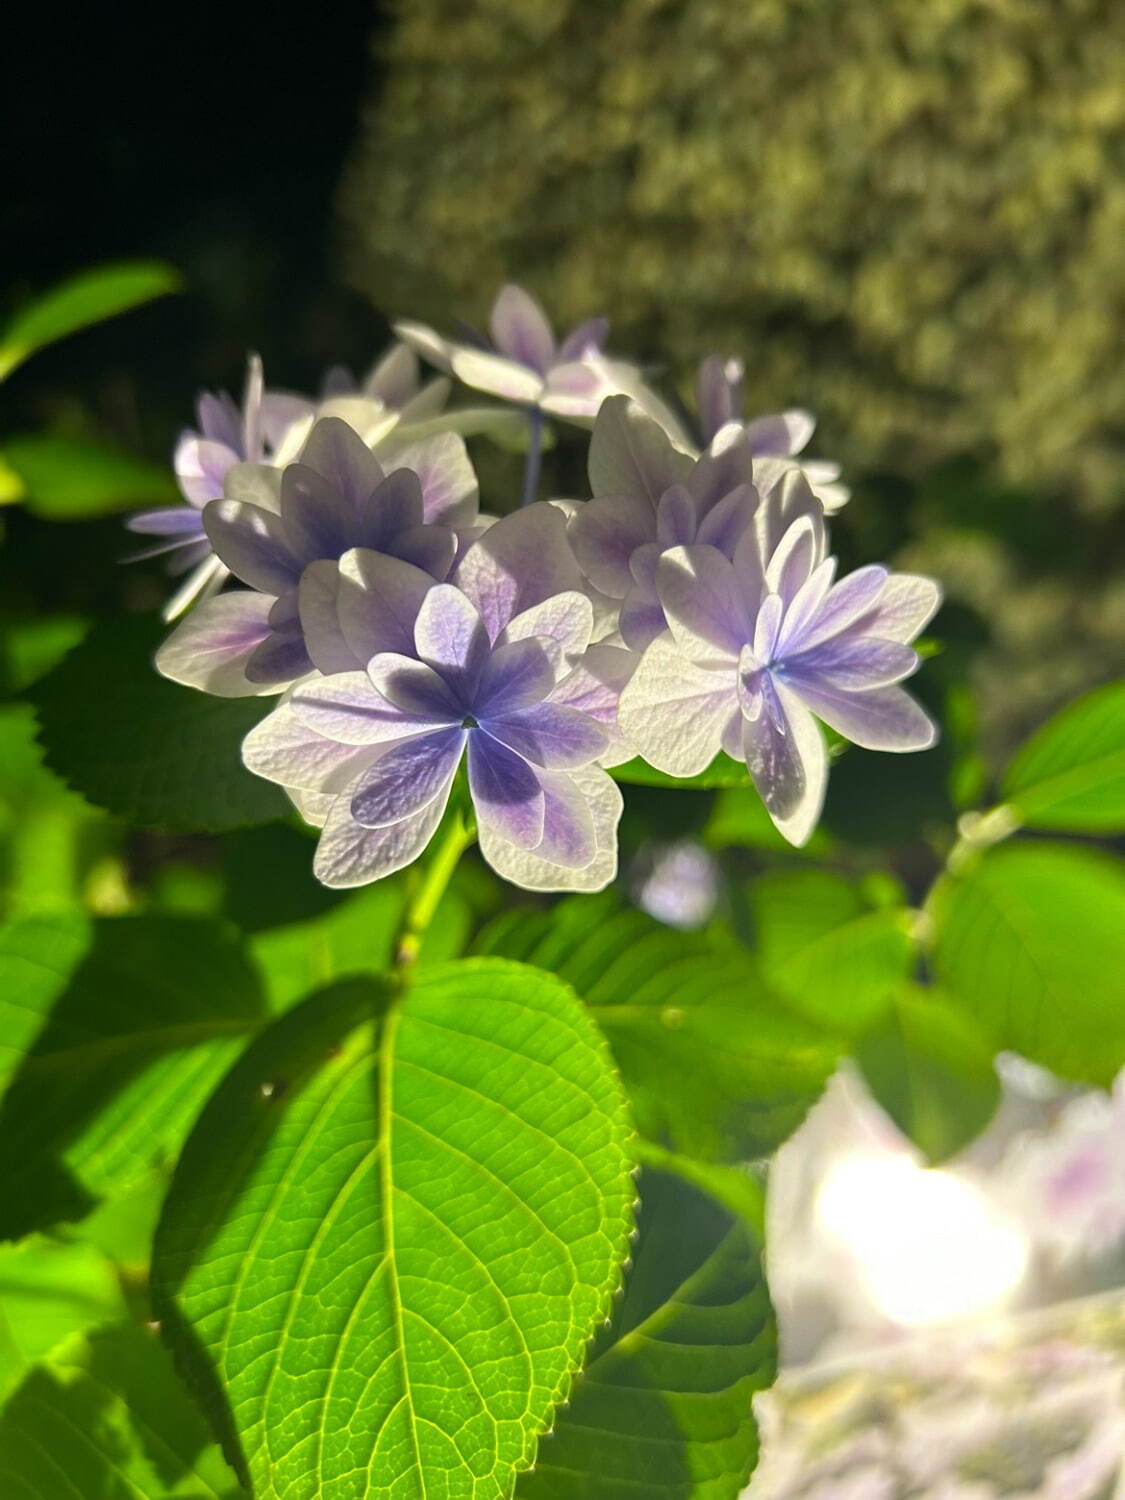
point(209, 650)
point(406, 777)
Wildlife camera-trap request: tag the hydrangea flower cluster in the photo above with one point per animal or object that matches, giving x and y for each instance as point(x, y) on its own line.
point(689, 607)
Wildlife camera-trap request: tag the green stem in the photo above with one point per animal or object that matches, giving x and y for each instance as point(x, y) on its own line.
point(424, 902)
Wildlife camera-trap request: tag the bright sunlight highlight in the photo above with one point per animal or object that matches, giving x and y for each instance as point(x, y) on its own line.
point(930, 1247)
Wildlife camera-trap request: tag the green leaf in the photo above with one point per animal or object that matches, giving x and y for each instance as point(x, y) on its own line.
point(157, 754)
point(663, 1410)
point(834, 959)
point(49, 1291)
point(1030, 940)
point(1071, 774)
point(106, 1417)
point(90, 297)
point(393, 1230)
point(69, 479)
point(714, 1065)
point(739, 820)
point(929, 1067)
point(721, 772)
point(117, 1034)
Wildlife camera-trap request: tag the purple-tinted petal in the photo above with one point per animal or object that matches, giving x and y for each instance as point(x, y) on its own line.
point(414, 688)
point(767, 628)
point(393, 506)
point(559, 863)
point(594, 687)
point(210, 649)
point(631, 454)
point(449, 636)
point(704, 605)
point(220, 421)
point(787, 761)
point(853, 663)
point(319, 600)
point(787, 503)
point(318, 521)
point(282, 657)
point(642, 618)
point(520, 329)
point(379, 601)
point(499, 376)
point(181, 522)
point(406, 777)
point(280, 410)
point(575, 391)
point(727, 465)
point(283, 749)
point(350, 855)
point(562, 624)
point(677, 519)
point(522, 560)
point(907, 603)
point(341, 457)
point(886, 718)
point(793, 562)
point(605, 533)
point(805, 606)
point(719, 393)
point(429, 548)
point(586, 339)
point(346, 708)
point(727, 522)
point(549, 735)
point(782, 433)
point(506, 792)
point(201, 465)
point(445, 474)
point(844, 605)
point(253, 545)
point(515, 676)
point(643, 563)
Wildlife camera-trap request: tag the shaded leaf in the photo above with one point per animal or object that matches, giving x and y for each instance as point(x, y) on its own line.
point(663, 1407)
point(716, 1067)
point(1071, 774)
point(155, 753)
point(90, 297)
point(1030, 940)
point(116, 1033)
point(837, 961)
point(106, 1417)
point(929, 1067)
point(393, 1230)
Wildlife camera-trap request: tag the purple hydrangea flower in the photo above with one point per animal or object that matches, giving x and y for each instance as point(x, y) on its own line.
point(650, 496)
point(761, 645)
point(497, 673)
point(393, 384)
point(275, 526)
point(776, 440)
point(226, 436)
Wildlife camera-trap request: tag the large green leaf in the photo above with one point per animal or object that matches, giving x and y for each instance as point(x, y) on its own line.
point(155, 753)
point(1071, 774)
point(105, 1418)
point(90, 297)
point(822, 947)
point(1030, 939)
point(716, 1067)
point(48, 1291)
point(662, 1410)
point(69, 479)
point(928, 1066)
point(393, 1230)
point(115, 1034)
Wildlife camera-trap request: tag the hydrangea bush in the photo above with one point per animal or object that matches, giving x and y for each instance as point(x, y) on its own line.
point(450, 1176)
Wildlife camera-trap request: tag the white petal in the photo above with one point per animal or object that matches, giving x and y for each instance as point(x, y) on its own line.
point(319, 596)
point(348, 855)
point(210, 648)
point(631, 454)
point(283, 749)
point(522, 560)
point(673, 712)
point(497, 375)
point(346, 708)
point(564, 623)
point(424, 341)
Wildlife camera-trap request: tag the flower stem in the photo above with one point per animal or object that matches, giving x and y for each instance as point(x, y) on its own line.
point(534, 454)
point(424, 901)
